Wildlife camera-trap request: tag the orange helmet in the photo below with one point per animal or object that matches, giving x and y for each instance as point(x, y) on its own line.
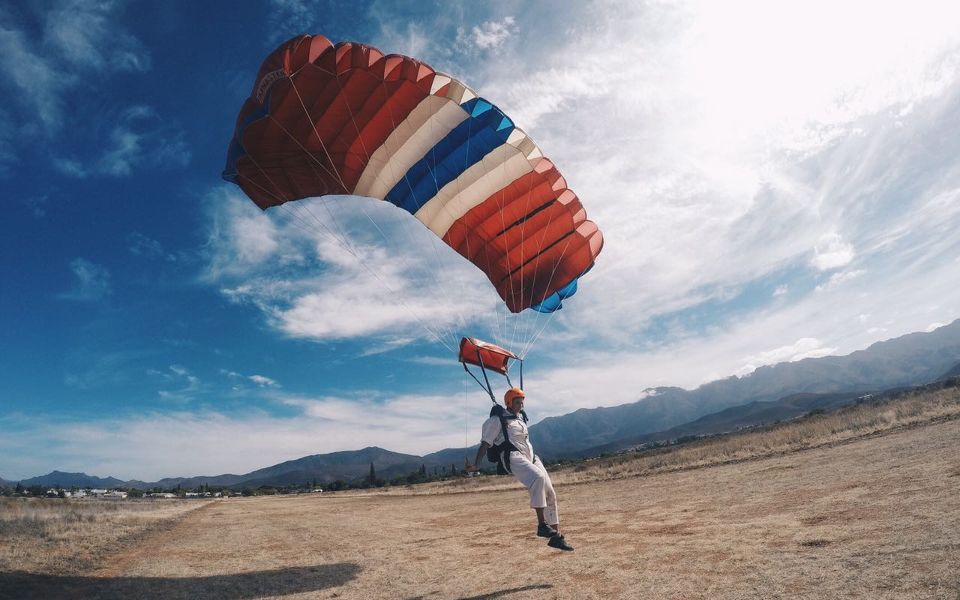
point(512, 393)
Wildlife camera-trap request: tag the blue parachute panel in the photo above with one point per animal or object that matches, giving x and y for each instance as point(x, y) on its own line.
point(483, 131)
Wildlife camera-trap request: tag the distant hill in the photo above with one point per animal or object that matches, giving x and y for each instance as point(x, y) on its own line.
point(732, 419)
point(69, 480)
point(321, 468)
point(451, 456)
point(953, 372)
point(913, 359)
point(346, 466)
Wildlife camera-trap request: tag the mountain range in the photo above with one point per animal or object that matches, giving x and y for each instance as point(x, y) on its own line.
point(770, 393)
point(913, 359)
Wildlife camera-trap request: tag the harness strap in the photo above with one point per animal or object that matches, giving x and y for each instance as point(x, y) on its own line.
point(507, 445)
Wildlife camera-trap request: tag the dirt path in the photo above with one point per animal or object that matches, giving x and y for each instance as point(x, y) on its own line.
point(878, 518)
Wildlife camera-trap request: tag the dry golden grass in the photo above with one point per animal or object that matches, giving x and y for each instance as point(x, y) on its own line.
point(861, 514)
point(70, 535)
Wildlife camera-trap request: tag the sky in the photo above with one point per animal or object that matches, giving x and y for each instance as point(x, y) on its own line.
point(774, 181)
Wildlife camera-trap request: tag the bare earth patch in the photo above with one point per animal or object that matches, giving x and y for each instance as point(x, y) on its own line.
point(878, 517)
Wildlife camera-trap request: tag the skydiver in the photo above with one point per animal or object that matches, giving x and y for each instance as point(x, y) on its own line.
point(519, 459)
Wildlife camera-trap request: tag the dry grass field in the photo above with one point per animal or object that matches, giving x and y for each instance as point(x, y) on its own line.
point(60, 536)
point(869, 507)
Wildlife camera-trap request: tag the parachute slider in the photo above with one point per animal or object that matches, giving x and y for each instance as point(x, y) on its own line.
point(487, 356)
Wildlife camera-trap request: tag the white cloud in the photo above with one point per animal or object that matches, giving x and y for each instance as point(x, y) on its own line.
point(92, 281)
point(840, 278)
point(240, 238)
point(138, 137)
point(491, 35)
point(86, 35)
point(180, 385)
point(355, 305)
point(39, 84)
point(142, 245)
point(258, 381)
point(342, 268)
point(263, 381)
point(410, 39)
point(802, 348)
point(83, 45)
point(433, 361)
point(832, 252)
point(71, 167)
point(79, 37)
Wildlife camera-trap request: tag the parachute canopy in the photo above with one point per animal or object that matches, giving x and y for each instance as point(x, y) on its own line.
point(347, 119)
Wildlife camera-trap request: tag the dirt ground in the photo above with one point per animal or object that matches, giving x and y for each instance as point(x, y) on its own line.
point(874, 518)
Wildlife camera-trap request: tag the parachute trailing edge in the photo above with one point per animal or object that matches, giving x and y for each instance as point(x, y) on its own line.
point(347, 119)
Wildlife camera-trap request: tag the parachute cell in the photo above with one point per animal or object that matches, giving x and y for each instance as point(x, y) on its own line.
point(347, 119)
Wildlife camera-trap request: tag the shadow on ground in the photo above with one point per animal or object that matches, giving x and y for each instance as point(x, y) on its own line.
point(256, 584)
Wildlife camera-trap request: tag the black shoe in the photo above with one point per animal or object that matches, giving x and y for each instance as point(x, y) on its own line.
point(544, 530)
point(559, 543)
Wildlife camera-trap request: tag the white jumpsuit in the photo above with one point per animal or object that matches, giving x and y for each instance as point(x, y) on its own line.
point(525, 465)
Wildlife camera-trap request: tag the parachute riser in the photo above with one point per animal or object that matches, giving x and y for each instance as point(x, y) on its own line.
point(486, 387)
point(507, 375)
point(485, 384)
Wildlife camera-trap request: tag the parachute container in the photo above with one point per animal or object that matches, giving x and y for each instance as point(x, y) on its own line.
point(347, 119)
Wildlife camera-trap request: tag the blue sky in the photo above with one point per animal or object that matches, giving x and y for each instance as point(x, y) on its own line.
point(773, 183)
